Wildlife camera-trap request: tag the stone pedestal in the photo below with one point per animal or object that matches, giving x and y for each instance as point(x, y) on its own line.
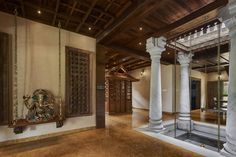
point(184, 120)
point(228, 16)
point(155, 46)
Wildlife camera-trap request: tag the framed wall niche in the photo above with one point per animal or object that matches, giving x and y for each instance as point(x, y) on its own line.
point(78, 96)
point(5, 78)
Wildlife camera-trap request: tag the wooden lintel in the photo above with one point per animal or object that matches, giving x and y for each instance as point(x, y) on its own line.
point(131, 52)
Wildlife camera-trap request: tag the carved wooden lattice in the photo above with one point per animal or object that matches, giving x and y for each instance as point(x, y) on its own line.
point(77, 83)
point(118, 96)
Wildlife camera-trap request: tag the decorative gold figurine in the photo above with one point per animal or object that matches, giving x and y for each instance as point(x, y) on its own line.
point(42, 106)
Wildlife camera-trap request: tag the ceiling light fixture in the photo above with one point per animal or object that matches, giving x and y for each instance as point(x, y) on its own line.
point(140, 28)
point(39, 12)
point(140, 43)
point(89, 28)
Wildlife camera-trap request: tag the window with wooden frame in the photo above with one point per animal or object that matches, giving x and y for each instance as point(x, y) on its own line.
point(77, 83)
point(5, 78)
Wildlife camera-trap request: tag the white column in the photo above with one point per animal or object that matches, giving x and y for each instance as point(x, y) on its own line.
point(228, 15)
point(184, 115)
point(155, 46)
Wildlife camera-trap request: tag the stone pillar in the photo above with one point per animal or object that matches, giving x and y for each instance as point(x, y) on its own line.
point(155, 46)
point(184, 116)
point(228, 16)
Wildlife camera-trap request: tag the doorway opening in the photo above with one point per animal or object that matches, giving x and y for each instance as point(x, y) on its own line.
point(195, 94)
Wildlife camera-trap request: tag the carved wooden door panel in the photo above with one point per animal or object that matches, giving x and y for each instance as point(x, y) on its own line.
point(5, 77)
point(128, 96)
point(77, 83)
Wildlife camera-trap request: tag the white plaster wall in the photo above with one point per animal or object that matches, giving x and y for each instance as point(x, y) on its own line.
point(167, 88)
point(194, 74)
point(214, 76)
point(38, 68)
point(141, 89)
point(203, 78)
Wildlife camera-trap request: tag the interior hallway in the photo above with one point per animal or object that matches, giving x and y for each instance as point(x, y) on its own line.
point(117, 140)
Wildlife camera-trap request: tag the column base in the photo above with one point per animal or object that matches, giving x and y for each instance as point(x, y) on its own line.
point(155, 125)
point(185, 125)
point(229, 149)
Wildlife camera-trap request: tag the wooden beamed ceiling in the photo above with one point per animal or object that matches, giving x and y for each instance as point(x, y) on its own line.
point(122, 26)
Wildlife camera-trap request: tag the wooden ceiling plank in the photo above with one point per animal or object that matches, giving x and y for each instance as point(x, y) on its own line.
point(211, 66)
point(86, 16)
point(95, 8)
point(71, 12)
point(55, 14)
point(22, 8)
point(101, 14)
point(139, 66)
point(206, 9)
point(135, 62)
point(64, 16)
point(212, 6)
point(128, 51)
point(113, 56)
point(120, 63)
point(138, 10)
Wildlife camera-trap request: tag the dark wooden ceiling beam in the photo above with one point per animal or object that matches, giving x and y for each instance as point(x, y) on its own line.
point(22, 8)
point(113, 56)
point(86, 15)
point(61, 15)
point(70, 15)
point(112, 19)
point(202, 11)
point(211, 66)
point(211, 52)
point(135, 63)
point(128, 51)
point(101, 14)
point(95, 8)
point(137, 11)
point(139, 66)
point(206, 9)
point(120, 63)
point(55, 14)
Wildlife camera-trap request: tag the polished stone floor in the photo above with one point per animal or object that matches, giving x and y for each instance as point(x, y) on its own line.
point(117, 140)
point(208, 117)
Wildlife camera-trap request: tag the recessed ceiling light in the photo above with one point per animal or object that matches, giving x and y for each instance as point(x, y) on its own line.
point(140, 43)
point(168, 53)
point(140, 28)
point(39, 12)
point(89, 28)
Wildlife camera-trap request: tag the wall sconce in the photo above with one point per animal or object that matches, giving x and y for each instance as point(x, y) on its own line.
point(142, 73)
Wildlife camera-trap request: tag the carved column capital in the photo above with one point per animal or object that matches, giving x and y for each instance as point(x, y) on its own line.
point(184, 58)
point(155, 47)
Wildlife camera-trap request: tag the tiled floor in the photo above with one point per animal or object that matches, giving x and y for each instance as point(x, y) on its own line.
point(117, 140)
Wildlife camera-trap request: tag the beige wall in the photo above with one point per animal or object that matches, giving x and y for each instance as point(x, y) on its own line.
point(38, 68)
point(214, 76)
point(203, 77)
point(141, 89)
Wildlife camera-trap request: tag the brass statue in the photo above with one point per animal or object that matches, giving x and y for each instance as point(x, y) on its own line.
point(42, 106)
